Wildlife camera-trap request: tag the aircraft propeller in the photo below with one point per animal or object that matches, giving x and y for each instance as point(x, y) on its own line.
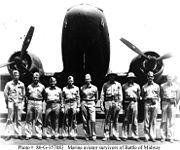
point(6, 64)
point(27, 41)
point(165, 56)
point(150, 62)
point(18, 61)
point(134, 48)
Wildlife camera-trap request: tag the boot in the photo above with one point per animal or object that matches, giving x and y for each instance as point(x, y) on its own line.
point(46, 133)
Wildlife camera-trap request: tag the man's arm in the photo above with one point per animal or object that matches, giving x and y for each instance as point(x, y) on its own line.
point(120, 95)
point(177, 94)
point(102, 98)
point(78, 98)
point(161, 91)
point(123, 93)
point(44, 95)
point(96, 95)
point(138, 92)
point(24, 93)
point(60, 96)
point(81, 93)
point(62, 100)
point(27, 93)
point(143, 94)
point(6, 89)
point(158, 93)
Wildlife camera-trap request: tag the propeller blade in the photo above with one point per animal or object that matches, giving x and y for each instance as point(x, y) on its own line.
point(165, 56)
point(134, 48)
point(27, 41)
point(6, 64)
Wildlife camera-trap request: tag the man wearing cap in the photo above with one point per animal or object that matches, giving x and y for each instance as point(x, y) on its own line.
point(111, 103)
point(169, 101)
point(131, 94)
point(53, 104)
point(89, 97)
point(151, 97)
point(71, 106)
point(14, 94)
point(36, 95)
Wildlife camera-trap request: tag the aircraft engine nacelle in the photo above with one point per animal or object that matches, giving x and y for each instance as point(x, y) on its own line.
point(85, 44)
point(28, 65)
point(141, 65)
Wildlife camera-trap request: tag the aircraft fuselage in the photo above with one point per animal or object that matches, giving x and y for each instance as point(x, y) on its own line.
point(85, 44)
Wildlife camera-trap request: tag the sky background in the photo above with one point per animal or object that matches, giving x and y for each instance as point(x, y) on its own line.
point(149, 24)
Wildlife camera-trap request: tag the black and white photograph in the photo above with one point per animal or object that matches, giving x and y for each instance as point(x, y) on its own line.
point(89, 74)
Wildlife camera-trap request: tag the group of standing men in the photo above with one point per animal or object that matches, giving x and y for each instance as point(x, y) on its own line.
point(70, 100)
point(66, 100)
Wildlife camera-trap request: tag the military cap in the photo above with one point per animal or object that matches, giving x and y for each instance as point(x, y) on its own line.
point(36, 74)
point(52, 79)
point(70, 78)
point(131, 75)
point(150, 74)
point(15, 72)
point(87, 76)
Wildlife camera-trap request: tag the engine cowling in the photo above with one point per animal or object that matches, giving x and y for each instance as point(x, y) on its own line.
point(28, 65)
point(140, 66)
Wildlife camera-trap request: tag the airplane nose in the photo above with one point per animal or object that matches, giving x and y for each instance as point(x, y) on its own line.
point(85, 43)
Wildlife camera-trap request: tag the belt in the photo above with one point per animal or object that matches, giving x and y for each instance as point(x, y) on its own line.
point(111, 99)
point(34, 102)
point(70, 100)
point(151, 101)
point(128, 100)
point(35, 99)
point(88, 100)
point(51, 102)
point(171, 100)
point(167, 99)
point(12, 99)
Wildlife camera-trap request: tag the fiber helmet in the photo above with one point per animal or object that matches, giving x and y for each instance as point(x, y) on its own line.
point(111, 73)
